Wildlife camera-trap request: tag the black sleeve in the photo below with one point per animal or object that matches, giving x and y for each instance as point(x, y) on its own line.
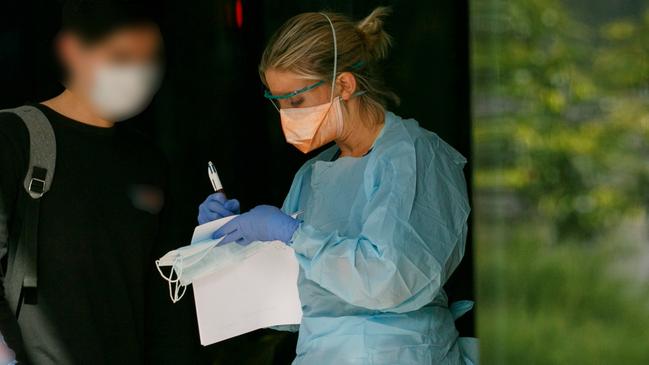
point(14, 145)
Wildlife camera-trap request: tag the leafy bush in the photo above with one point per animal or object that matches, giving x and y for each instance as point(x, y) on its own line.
point(561, 113)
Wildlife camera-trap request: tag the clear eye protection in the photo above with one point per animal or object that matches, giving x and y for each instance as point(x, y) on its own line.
point(276, 98)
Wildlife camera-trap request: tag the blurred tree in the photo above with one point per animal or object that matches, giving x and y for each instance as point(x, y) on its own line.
point(562, 113)
point(561, 120)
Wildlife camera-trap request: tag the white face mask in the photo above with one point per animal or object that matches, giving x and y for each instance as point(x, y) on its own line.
point(198, 260)
point(205, 256)
point(122, 91)
point(186, 266)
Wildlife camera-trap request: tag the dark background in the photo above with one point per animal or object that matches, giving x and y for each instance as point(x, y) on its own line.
point(210, 107)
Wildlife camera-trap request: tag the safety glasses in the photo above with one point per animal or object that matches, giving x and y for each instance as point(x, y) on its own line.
point(276, 98)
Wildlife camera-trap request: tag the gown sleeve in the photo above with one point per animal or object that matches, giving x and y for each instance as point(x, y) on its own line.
point(413, 232)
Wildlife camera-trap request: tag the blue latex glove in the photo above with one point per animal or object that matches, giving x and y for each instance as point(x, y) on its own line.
point(217, 206)
point(262, 223)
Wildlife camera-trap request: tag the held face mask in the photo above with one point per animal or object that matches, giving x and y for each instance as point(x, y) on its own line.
point(203, 257)
point(122, 91)
point(198, 260)
point(185, 266)
point(313, 127)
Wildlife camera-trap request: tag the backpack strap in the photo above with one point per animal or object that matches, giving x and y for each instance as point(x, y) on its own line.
point(38, 180)
point(42, 151)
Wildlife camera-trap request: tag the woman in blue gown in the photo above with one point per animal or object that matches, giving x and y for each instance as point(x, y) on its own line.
point(383, 212)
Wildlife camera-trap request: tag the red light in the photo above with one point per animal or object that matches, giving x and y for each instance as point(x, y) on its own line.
point(238, 10)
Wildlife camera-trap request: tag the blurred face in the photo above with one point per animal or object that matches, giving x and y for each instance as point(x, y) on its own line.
point(116, 76)
point(134, 45)
point(285, 82)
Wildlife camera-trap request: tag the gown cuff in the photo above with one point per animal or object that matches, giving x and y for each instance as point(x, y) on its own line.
point(307, 241)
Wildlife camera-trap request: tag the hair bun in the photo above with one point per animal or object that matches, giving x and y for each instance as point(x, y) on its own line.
point(375, 38)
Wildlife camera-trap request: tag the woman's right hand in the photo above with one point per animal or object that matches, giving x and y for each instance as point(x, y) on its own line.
point(217, 206)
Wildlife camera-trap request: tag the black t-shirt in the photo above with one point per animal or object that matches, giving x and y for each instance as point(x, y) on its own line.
point(97, 230)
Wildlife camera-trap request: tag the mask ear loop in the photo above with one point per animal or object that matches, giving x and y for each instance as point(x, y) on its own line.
point(179, 293)
point(176, 289)
point(174, 284)
point(170, 278)
point(333, 81)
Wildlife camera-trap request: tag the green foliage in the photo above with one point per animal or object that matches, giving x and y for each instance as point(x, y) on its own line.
point(561, 113)
point(537, 306)
point(564, 109)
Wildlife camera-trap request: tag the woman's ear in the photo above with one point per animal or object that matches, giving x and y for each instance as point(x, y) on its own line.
point(347, 85)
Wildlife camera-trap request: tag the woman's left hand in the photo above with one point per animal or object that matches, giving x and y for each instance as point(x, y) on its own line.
point(262, 223)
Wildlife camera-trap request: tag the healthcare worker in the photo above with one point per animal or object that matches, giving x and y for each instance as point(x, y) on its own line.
point(384, 210)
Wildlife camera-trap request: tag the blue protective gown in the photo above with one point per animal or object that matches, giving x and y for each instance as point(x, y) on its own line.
point(380, 237)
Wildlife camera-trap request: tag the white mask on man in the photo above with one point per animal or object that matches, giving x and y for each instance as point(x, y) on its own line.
point(120, 92)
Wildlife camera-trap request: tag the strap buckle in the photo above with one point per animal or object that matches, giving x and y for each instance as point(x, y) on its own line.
point(37, 186)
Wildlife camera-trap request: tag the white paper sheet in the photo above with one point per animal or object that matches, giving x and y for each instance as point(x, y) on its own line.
point(204, 231)
point(259, 292)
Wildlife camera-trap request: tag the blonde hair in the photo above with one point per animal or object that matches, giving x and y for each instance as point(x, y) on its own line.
point(304, 46)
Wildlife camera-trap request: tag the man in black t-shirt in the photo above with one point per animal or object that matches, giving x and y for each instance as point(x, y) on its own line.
point(99, 222)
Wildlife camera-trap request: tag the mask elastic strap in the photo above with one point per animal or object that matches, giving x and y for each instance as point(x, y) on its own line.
point(179, 293)
point(175, 287)
point(275, 105)
point(179, 272)
point(333, 81)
